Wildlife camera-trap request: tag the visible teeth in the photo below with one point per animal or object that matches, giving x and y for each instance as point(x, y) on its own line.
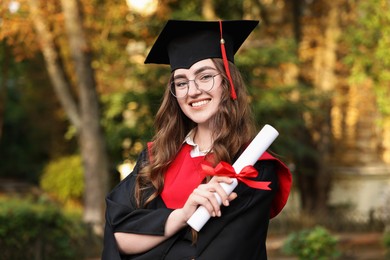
point(200, 103)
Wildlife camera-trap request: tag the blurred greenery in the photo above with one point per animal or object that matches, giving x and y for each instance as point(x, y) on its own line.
point(316, 243)
point(367, 42)
point(63, 178)
point(386, 242)
point(33, 123)
point(41, 230)
point(281, 106)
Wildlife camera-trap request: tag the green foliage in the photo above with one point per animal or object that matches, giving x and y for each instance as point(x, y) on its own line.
point(63, 178)
point(386, 242)
point(31, 124)
point(276, 106)
point(276, 103)
point(281, 51)
point(183, 10)
point(14, 156)
point(367, 45)
point(192, 10)
point(40, 230)
point(316, 243)
point(128, 121)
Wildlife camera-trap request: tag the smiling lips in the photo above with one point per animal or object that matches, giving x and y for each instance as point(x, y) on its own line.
point(200, 103)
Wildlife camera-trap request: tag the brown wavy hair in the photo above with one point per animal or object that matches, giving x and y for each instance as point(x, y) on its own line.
point(235, 123)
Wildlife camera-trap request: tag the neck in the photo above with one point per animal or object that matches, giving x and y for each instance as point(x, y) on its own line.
point(203, 138)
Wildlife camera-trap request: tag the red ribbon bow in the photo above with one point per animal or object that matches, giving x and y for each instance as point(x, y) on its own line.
point(225, 169)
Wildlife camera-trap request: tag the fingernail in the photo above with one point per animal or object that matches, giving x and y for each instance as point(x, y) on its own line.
point(219, 213)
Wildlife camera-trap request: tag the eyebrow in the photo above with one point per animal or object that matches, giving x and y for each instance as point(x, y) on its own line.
point(198, 71)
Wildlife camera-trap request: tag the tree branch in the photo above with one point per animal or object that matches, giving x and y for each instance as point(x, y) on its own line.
point(56, 73)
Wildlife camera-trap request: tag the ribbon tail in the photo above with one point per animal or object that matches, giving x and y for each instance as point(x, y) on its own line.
point(261, 185)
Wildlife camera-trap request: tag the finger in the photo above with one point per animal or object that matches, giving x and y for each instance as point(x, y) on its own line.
point(212, 199)
point(224, 179)
point(211, 194)
point(232, 196)
point(206, 198)
point(216, 184)
point(212, 189)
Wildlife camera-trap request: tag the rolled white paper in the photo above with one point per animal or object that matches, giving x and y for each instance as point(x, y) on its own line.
point(250, 156)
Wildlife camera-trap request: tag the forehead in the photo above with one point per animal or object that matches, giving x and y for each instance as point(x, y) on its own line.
point(196, 67)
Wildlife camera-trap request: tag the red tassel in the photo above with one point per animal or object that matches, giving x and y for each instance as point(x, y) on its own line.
point(226, 64)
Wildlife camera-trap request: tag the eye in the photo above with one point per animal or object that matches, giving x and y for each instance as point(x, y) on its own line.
point(205, 77)
point(181, 84)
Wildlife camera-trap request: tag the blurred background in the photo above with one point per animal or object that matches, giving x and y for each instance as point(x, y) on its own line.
point(77, 106)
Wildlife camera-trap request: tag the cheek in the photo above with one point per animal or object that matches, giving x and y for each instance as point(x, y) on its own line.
point(218, 93)
point(182, 104)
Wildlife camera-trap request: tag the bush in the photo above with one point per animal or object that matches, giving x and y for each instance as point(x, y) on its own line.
point(316, 243)
point(63, 179)
point(386, 242)
point(39, 230)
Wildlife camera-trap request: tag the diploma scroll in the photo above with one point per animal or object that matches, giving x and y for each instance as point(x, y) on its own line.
point(250, 156)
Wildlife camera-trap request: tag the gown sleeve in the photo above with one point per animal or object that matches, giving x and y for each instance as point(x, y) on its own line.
point(123, 216)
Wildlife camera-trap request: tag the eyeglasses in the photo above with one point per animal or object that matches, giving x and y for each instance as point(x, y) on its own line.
point(204, 82)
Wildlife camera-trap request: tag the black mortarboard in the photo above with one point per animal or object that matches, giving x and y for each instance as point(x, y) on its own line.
point(182, 43)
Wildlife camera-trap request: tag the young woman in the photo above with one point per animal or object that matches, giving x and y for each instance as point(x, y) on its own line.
point(204, 118)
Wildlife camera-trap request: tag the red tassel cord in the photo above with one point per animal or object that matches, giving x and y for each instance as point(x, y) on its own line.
point(226, 64)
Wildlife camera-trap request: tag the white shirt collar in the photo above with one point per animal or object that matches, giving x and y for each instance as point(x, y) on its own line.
point(195, 151)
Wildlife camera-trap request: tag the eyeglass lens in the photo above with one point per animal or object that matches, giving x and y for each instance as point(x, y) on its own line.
point(204, 82)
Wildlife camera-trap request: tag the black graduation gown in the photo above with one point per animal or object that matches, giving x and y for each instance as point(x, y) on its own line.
point(239, 234)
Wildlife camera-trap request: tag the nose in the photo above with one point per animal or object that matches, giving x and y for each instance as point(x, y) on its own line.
point(194, 90)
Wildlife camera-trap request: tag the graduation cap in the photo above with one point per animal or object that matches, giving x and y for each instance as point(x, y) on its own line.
point(182, 43)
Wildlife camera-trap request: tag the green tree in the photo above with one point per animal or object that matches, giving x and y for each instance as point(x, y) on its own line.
point(367, 40)
point(27, 141)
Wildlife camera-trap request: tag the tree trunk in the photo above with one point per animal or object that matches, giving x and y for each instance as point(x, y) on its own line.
point(319, 48)
point(86, 118)
point(91, 138)
point(53, 64)
point(325, 80)
point(295, 6)
point(208, 11)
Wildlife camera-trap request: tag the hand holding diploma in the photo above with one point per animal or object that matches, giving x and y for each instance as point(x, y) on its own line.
point(248, 158)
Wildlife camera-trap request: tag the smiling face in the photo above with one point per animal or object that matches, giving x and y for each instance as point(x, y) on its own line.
point(200, 106)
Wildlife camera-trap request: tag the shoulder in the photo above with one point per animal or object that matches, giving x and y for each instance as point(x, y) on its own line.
point(285, 182)
point(129, 181)
point(267, 157)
